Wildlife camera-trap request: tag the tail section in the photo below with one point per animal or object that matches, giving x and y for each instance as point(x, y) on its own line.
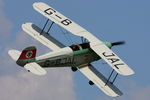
point(27, 59)
point(14, 54)
point(27, 56)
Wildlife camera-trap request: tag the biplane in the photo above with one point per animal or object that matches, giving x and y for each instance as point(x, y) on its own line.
point(77, 56)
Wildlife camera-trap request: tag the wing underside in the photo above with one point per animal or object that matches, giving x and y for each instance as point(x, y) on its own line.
point(99, 80)
point(43, 37)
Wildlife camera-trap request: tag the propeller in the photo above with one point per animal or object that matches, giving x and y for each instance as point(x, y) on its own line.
point(118, 43)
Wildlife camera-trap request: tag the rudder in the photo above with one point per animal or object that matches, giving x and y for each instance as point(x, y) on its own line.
point(28, 55)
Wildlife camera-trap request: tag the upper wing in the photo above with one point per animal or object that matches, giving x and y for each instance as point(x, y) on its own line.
point(99, 80)
point(44, 38)
point(97, 45)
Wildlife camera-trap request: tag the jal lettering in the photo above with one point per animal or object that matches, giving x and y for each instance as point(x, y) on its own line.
point(47, 63)
point(113, 60)
point(64, 60)
point(117, 65)
point(58, 61)
point(70, 60)
point(108, 55)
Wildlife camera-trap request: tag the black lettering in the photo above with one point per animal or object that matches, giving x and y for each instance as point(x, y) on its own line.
point(66, 22)
point(52, 62)
point(117, 65)
point(46, 63)
point(58, 61)
point(64, 60)
point(108, 55)
point(72, 60)
point(50, 11)
point(58, 16)
point(113, 60)
point(69, 60)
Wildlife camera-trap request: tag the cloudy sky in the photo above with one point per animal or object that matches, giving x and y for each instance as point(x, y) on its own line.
point(109, 20)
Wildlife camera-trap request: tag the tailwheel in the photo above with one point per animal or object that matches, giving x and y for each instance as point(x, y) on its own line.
point(74, 69)
point(91, 83)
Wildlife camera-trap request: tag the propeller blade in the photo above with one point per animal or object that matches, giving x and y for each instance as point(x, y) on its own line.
point(118, 43)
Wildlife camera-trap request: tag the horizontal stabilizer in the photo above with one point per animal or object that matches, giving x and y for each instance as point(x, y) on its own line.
point(35, 69)
point(99, 80)
point(14, 54)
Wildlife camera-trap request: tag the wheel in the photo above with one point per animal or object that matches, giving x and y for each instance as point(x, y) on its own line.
point(28, 70)
point(74, 69)
point(91, 83)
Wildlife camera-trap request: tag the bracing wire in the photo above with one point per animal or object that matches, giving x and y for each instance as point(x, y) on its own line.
point(65, 35)
point(73, 41)
point(68, 37)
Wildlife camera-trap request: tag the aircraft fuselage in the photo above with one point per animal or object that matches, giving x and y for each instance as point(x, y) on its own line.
point(73, 56)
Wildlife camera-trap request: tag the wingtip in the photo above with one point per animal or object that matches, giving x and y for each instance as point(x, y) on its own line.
point(28, 23)
point(116, 95)
point(37, 3)
point(14, 54)
point(132, 73)
point(128, 74)
point(41, 74)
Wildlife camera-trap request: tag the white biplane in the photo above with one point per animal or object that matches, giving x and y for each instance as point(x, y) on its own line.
point(78, 56)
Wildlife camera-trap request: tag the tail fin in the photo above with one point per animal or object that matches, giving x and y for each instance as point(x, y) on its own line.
point(28, 55)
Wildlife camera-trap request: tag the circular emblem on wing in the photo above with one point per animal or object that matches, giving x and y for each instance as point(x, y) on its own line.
point(29, 54)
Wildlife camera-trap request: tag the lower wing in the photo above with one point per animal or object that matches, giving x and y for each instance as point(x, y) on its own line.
point(99, 80)
point(44, 38)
